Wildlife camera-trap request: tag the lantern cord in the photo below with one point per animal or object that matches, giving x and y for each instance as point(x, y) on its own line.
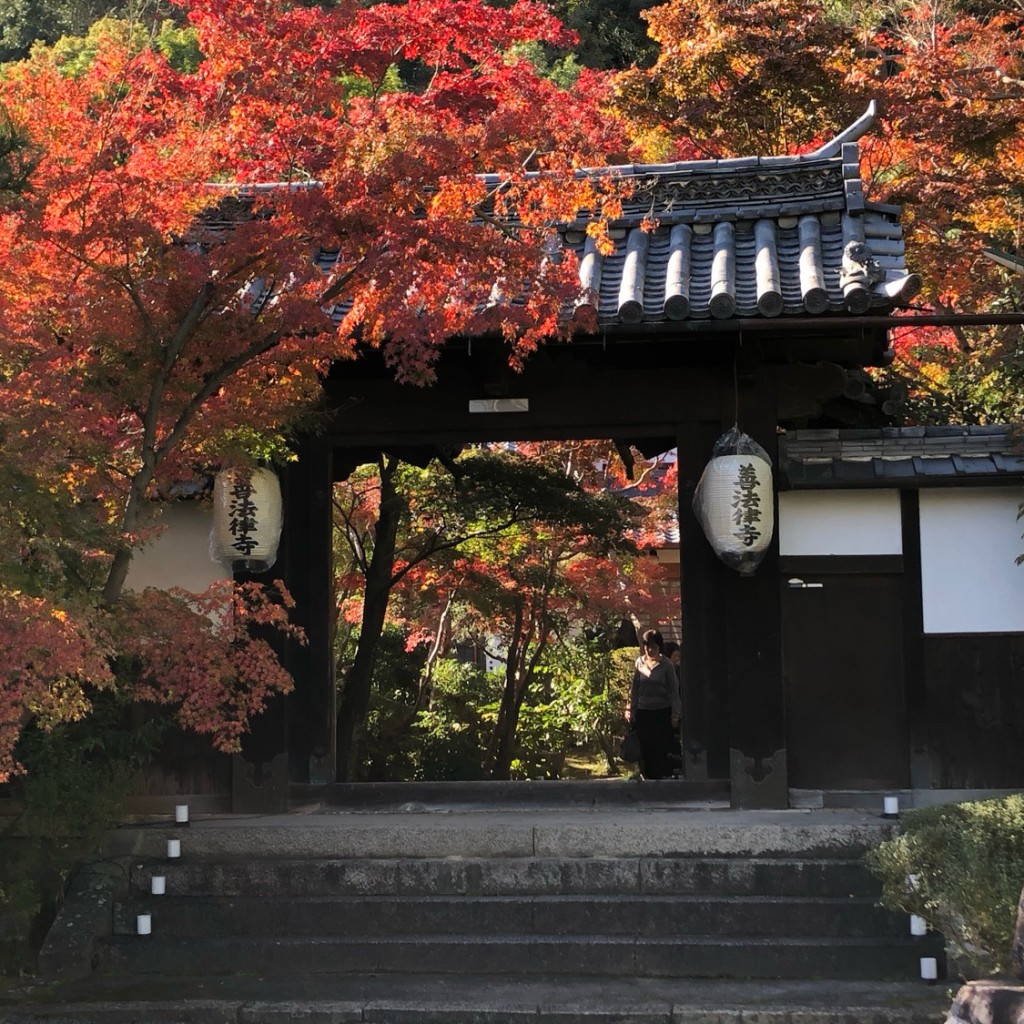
point(736, 381)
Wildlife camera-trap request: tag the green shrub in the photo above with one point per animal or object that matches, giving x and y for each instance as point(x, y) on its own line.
point(576, 701)
point(452, 733)
point(77, 779)
point(388, 747)
point(588, 692)
point(967, 863)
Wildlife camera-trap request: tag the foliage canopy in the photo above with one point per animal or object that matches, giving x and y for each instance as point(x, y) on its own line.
point(156, 326)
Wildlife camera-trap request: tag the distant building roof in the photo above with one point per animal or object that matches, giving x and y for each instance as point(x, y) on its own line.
point(900, 457)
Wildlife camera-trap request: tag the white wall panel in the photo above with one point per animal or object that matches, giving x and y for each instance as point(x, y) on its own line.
point(840, 523)
point(180, 556)
point(969, 540)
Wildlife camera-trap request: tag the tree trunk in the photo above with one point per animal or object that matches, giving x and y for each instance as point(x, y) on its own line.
point(518, 675)
point(519, 672)
point(498, 758)
point(504, 738)
point(425, 692)
point(117, 575)
point(355, 697)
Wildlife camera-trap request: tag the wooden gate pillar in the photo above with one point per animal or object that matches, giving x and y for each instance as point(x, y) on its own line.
point(704, 683)
point(293, 740)
point(308, 540)
point(753, 642)
point(733, 701)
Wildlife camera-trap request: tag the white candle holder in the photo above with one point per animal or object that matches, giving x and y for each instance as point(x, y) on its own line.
point(181, 814)
point(158, 885)
point(143, 924)
point(918, 925)
point(891, 807)
point(173, 849)
point(929, 969)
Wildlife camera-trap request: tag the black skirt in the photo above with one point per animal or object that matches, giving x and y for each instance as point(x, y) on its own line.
point(657, 738)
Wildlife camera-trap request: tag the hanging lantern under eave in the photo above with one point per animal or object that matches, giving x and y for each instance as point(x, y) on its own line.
point(735, 507)
point(247, 517)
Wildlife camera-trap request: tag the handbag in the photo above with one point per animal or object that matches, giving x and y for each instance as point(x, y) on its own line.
point(629, 747)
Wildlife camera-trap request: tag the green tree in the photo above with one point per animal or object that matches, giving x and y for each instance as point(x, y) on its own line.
point(613, 34)
point(25, 22)
point(433, 535)
point(533, 588)
point(451, 733)
point(74, 54)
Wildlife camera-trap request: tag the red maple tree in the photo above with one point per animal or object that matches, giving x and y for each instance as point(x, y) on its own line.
point(192, 250)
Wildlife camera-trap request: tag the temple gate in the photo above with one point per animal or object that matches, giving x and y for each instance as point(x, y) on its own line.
point(766, 288)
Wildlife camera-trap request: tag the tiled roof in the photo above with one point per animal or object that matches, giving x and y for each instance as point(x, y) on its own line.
point(750, 237)
point(900, 456)
point(747, 237)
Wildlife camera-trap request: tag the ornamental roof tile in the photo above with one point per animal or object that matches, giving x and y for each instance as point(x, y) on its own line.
point(749, 237)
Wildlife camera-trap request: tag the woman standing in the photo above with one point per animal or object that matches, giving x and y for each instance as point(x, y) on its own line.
point(654, 705)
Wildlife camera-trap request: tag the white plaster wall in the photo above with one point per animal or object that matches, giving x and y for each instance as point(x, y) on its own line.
point(180, 556)
point(840, 523)
point(969, 540)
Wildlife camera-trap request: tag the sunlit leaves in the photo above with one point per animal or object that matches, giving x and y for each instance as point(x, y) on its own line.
point(48, 660)
point(740, 78)
point(783, 76)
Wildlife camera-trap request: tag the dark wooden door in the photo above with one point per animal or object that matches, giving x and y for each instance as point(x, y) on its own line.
point(842, 639)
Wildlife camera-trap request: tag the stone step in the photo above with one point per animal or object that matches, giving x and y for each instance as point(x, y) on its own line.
point(580, 793)
point(541, 833)
point(693, 875)
point(604, 956)
point(481, 999)
point(200, 917)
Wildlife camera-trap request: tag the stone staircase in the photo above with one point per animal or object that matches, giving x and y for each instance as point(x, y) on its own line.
point(654, 900)
point(793, 916)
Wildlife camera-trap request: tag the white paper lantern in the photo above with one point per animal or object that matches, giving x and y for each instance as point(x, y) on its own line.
point(247, 518)
point(735, 507)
